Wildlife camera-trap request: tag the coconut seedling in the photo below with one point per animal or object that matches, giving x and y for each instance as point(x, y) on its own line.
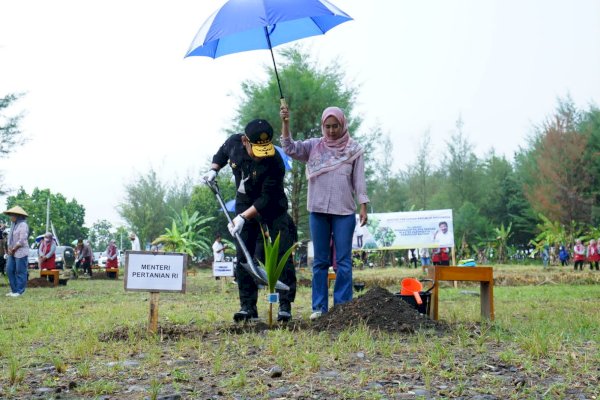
point(273, 265)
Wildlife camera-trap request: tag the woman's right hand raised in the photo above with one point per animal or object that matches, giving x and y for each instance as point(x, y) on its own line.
point(284, 113)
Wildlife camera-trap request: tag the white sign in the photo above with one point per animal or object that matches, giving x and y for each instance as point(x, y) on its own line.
point(405, 230)
point(222, 268)
point(155, 272)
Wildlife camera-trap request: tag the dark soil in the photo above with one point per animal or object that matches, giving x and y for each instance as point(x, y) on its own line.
point(39, 283)
point(378, 309)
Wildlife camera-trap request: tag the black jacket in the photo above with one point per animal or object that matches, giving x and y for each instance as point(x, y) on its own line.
point(262, 179)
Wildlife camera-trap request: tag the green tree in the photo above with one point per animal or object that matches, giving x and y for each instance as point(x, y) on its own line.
point(178, 195)
point(144, 207)
point(461, 167)
point(419, 176)
point(100, 234)
point(66, 216)
point(589, 126)
point(187, 235)
point(121, 237)
point(308, 90)
point(387, 191)
point(10, 134)
point(501, 243)
point(470, 227)
point(558, 179)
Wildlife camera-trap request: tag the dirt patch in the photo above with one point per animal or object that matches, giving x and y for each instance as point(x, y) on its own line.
point(166, 332)
point(378, 309)
point(39, 283)
point(304, 282)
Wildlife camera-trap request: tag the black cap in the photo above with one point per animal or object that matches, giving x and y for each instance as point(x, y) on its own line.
point(260, 134)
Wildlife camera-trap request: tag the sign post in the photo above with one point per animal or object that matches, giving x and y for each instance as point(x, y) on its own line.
point(223, 270)
point(155, 272)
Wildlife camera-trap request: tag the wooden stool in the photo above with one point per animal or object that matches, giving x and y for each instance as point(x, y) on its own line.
point(50, 272)
point(483, 275)
point(115, 270)
point(330, 277)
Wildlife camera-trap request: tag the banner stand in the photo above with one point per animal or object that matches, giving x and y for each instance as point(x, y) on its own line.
point(454, 263)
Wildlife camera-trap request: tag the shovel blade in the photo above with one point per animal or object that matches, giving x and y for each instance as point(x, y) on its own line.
point(260, 276)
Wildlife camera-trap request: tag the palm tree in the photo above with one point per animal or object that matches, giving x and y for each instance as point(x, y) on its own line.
point(187, 234)
point(502, 237)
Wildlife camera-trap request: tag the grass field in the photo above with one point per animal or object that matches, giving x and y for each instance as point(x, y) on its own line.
point(88, 340)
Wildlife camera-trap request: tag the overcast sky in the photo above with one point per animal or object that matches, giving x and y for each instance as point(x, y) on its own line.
point(109, 94)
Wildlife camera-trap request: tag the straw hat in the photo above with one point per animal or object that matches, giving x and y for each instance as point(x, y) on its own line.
point(16, 210)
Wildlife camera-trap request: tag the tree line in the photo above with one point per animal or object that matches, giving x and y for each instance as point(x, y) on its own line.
point(550, 185)
point(548, 191)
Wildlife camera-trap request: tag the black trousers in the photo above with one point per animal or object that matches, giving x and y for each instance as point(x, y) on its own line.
point(252, 237)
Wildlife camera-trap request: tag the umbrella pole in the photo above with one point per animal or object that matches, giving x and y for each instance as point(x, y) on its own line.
point(274, 65)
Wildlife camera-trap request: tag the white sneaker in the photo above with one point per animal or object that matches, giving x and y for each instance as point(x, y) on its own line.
point(15, 294)
point(315, 315)
point(9, 294)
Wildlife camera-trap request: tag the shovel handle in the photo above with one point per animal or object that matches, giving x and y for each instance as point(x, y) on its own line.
point(418, 298)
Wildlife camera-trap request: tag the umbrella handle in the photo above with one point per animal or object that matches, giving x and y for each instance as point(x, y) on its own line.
point(283, 104)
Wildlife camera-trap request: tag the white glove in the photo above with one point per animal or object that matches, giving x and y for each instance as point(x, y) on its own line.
point(238, 224)
point(210, 176)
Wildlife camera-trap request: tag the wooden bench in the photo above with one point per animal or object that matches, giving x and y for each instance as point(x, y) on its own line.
point(54, 273)
point(483, 275)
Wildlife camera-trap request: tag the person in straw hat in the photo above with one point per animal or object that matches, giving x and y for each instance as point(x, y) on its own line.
point(18, 251)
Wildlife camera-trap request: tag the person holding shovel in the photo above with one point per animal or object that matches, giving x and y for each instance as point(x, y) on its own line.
point(259, 171)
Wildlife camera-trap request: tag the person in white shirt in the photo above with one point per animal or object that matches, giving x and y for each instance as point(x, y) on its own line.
point(218, 249)
point(135, 242)
point(442, 236)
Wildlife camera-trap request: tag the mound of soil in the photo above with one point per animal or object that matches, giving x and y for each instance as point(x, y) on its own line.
point(378, 309)
point(39, 282)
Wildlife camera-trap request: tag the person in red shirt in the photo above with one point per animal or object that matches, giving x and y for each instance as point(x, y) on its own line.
point(579, 254)
point(444, 256)
point(47, 252)
point(436, 258)
point(112, 257)
point(592, 255)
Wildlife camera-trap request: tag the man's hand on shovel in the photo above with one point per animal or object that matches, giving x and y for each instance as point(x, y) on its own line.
point(236, 225)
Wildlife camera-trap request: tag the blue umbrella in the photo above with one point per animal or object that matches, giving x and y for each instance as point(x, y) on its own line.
point(230, 205)
point(287, 160)
point(243, 25)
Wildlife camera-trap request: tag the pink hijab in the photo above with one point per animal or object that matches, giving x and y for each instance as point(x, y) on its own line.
point(328, 154)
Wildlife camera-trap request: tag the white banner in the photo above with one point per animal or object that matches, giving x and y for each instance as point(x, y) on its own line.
point(155, 272)
point(405, 230)
point(223, 268)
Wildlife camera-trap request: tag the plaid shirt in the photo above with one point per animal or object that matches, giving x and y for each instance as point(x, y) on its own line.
point(19, 233)
point(331, 192)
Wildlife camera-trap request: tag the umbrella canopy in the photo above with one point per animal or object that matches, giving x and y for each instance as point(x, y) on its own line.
point(41, 237)
point(230, 205)
point(287, 160)
point(243, 25)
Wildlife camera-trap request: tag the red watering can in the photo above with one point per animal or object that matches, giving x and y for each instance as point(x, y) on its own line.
point(411, 286)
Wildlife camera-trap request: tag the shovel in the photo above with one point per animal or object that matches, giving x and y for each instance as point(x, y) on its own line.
point(257, 273)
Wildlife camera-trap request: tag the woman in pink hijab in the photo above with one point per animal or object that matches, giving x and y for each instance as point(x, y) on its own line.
point(335, 170)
